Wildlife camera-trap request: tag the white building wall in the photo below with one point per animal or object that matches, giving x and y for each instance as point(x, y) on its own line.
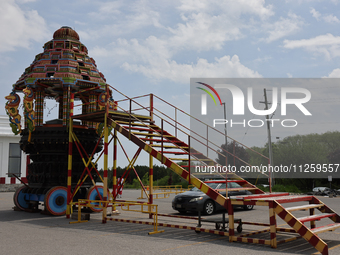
point(7, 137)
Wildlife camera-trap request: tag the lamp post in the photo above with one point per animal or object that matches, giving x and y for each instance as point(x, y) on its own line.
point(225, 124)
point(225, 132)
point(226, 148)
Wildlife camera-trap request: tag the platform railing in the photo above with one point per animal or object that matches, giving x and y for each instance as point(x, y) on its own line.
point(131, 206)
point(165, 191)
point(181, 131)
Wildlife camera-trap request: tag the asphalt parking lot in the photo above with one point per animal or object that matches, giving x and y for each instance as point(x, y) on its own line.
point(35, 233)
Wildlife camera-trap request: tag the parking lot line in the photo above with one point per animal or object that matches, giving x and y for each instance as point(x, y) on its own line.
point(187, 245)
point(136, 230)
point(330, 248)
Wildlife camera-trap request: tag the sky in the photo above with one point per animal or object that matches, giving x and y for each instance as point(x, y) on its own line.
point(148, 46)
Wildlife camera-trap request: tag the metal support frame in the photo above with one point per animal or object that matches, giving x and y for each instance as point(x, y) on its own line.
point(154, 133)
point(298, 228)
point(125, 206)
point(73, 140)
point(106, 146)
point(114, 183)
point(151, 158)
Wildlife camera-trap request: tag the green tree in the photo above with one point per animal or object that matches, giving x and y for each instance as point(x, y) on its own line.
point(233, 154)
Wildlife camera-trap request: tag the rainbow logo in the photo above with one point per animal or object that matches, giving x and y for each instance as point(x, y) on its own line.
point(209, 93)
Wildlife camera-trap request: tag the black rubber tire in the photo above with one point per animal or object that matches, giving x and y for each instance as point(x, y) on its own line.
point(19, 202)
point(56, 201)
point(209, 207)
point(239, 229)
point(248, 207)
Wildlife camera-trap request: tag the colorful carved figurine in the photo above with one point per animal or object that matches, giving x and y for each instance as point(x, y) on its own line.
point(13, 112)
point(101, 102)
point(29, 112)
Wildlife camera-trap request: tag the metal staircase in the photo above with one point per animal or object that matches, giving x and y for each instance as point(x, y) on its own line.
point(298, 224)
point(149, 130)
point(171, 151)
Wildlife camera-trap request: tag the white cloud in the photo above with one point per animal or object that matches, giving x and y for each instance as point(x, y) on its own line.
point(321, 40)
point(283, 27)
point(309, 1)
point(154, 59)
point(289, 75)
point(225, 66)
point(109, 8)
point(25, 1)
point(315, 13)
point(20, 27)
point(334, 74)
point(328, 45)
point(229, 7)
point(209, 24)
point(120, 20)
point(200, 26)
point(263, 59)
point(193, 5)
point(203, 32)
point(80, 23)
point(204, 26)
point(330, 18)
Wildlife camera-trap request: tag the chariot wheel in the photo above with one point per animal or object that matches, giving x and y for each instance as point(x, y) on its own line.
point(92, 194)
point(56, 200)
point(19, 199)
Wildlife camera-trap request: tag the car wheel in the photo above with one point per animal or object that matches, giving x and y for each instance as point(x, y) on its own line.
point(239, 229)
point(209, 207)
point(248, 207)
point(182, 211)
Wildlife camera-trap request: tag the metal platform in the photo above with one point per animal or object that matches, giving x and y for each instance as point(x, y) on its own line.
point(99, 116)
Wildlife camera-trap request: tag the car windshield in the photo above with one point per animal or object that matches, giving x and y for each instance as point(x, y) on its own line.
point(211, 185)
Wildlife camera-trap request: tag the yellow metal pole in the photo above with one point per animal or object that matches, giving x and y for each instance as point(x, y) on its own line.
point(273, 225)
point(114, 181)
point(69, 163)
point(106, 140)
point(151, 160)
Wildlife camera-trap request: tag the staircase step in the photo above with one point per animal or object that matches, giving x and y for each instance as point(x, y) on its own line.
point(135, 123)
point(329, 227)
point(238, 181)
point(239, 189)
point(176, 152)
point(316, 217)
point(303, 207)
point(154, 140)
point(292, 198)
point(169, 146)
point(138, 128)
point(126, 120)
point(186, 159)
point(150, 134)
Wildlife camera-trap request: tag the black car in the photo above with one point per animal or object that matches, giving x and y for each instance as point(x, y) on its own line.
point(195, 200)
